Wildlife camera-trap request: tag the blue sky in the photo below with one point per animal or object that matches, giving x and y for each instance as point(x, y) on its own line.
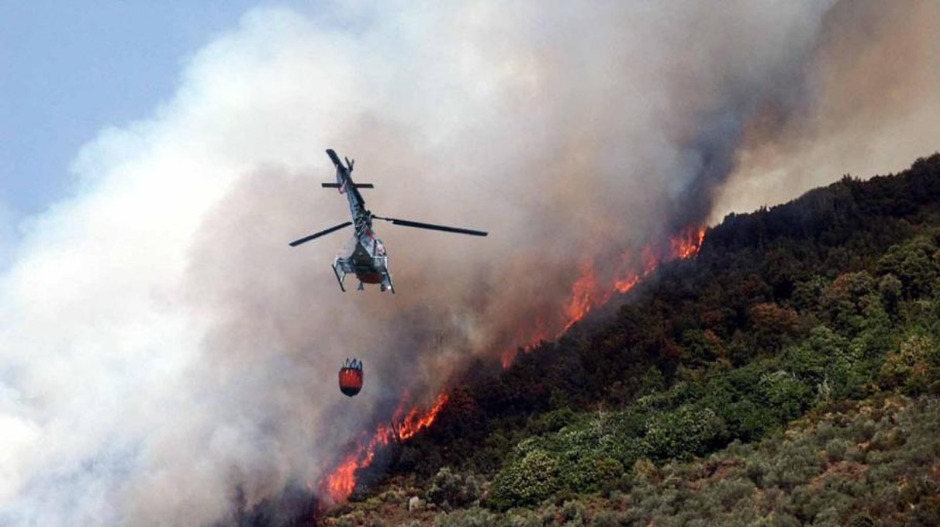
point(70, 68)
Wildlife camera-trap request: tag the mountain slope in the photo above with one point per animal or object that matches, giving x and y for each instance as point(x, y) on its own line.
point(804, 314)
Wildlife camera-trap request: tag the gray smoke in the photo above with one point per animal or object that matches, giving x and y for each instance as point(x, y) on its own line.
point(870, 106)
point(165, 354)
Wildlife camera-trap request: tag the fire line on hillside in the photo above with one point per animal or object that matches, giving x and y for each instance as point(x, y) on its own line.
point(341, 482)
point(586, 294)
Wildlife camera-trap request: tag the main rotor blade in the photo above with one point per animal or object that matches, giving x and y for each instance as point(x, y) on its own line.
point(295, 243)
point(419, 225)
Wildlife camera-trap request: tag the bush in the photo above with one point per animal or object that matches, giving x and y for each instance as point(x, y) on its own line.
point(475, 517)
point(522, 518)
point(731, 491)
point(591, 474)
point(861, 520)
point(683, 432)
point(755, 470)
point(785, 395)
point(913, 367)
point(526, 481)
point(449, 489)
point(572, 512)
point(836, 449)
point(606, 519)
point(915, 265)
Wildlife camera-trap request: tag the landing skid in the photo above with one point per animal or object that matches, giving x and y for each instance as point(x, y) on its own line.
point(340, 277)
point(387, 283)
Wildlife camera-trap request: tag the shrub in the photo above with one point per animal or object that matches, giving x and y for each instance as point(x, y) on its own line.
point(913, 366)
point(527, 481)
point(836, 449)
point(572, 512)
point(683, 432)
point(475, 517)
point(522, 518)
point(731, 491)
point(755, 470)
point(591, 474)
point(914, 264)
point(449, 489)
point(786, 396)
point(606, 519)
point(861, 520)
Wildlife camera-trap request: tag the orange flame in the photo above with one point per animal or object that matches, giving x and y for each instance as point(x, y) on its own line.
point(583, 294)
point(685, 245)
point(588, 292)
point(625, 284)
point(415, 422)
point(688, 243)
point(340, 483)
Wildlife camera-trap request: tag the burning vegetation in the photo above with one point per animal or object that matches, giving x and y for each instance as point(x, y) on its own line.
point(587, 293)
point(342, 481)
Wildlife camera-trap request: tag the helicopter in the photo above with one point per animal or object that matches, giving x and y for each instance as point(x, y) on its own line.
point(365, 255)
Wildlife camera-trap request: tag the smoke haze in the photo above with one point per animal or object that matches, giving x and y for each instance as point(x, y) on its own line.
point(164, 353)
point(871, 107)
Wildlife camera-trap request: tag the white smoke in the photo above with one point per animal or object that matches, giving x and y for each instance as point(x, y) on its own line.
point(161, 346)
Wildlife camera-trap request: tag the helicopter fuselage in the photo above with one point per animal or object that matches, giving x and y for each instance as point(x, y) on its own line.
point(368, 259)
point(365, 255)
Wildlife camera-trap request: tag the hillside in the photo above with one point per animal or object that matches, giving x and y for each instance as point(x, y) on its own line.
point(787, 375)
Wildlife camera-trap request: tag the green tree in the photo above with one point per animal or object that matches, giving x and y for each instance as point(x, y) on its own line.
point(683, 432)
point(528, 481)
point(914, 366)
point(916, 263)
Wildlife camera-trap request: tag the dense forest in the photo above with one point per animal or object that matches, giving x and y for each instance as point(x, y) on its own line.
point(787, 375)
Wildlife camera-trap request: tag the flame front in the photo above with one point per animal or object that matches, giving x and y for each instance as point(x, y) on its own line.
point(687, 244)
point(587, 292)
point(415, 422)
point(342, 481)
point(583, 294)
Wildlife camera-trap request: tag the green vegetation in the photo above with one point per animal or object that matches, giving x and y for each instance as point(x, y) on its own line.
point(788, 375)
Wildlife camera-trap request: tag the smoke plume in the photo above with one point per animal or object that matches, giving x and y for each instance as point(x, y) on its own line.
point(870, 106)
point(166, 358)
